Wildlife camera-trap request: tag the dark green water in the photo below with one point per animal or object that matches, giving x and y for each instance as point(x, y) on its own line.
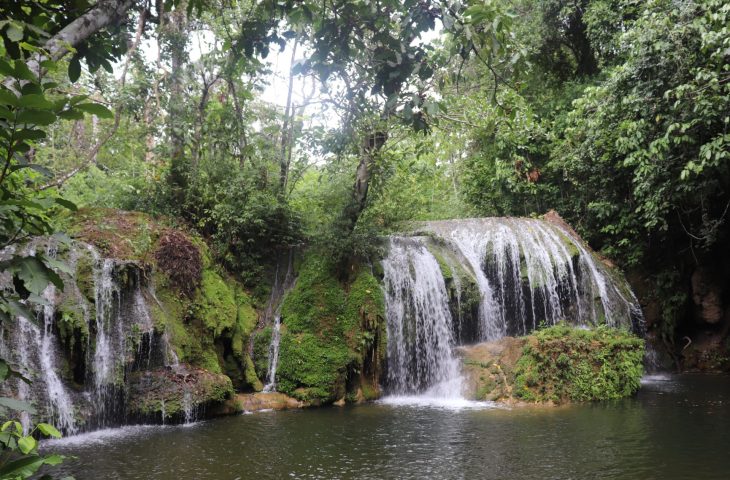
point(676, 428)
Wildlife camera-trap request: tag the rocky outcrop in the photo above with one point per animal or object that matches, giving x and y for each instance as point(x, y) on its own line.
point(137, 332)
point(555, 365)
point(707, 297)
point(175, 394)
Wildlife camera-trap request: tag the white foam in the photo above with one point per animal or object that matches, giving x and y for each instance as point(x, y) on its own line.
point(444, 403)
point(658, 377)
point(103, 436)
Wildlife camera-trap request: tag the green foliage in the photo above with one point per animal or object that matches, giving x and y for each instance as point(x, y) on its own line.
point(563, 363)
point(20, 456)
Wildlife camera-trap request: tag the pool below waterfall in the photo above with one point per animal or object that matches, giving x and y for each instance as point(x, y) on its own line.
point(677, 427)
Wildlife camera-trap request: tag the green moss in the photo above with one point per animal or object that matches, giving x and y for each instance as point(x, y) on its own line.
point(261, 342)
point(330, 329)
point(317, 301)
point(446, 271)
point(84, 277)
point(563, 363)
point(72, 324)
point(250, 375)
point(312, 369)
point(216, 303)
point(364, 312)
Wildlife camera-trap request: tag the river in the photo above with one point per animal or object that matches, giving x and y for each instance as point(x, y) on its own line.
point(677, 427)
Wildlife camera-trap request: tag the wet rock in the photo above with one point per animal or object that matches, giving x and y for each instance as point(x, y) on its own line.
point(251, 402)
point(175, 393)
point(489, 368)
point(707, 297)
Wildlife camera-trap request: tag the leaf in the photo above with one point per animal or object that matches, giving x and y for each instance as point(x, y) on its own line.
point(58, 265)
point(29, 134)
point(23, 72)
point(27, 444)
point(54, 459)
point(35, 275)
point(49, 430)
point(14, 32)
point(74, 69)
point(71, 115)
point(67, 203)
point(8, 98)
point(36, 117)
point(17, 309)
point(95, 109)
point(17, 405)
point(34, 100)
point(21, 468)
point(6, 69)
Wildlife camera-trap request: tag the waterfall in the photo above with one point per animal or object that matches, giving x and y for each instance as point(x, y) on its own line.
point(189, 407)
point(420, 338)
point(122, 315)
point(278, 290)
point(273, 355)
point(36, 349)
point(527, 272)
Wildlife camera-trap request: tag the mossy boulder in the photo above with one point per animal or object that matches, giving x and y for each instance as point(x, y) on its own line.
point(164, 394)
point(332, 338)
point(559, 364)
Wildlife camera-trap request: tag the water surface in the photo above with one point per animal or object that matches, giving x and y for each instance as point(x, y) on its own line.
point(676, 428)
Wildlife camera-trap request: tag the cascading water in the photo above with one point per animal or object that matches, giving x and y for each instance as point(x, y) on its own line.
point(115, 318)
point(273, 354)
point(524, 273)
point(420, 327)
point(278, 291)
point(36, 350)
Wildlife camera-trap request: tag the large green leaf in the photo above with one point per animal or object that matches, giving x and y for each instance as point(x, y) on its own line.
point(34, 100)
point(35, 275)
point(22, 468)
point(95, 109)
point(37, 117)
point(27, 444)
point(17, 405)
point(49, 430)
point(74, 69)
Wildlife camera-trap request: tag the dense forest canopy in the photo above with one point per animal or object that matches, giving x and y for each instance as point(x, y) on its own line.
point(612, 112)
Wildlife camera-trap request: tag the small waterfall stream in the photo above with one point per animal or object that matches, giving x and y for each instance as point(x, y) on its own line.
point(525, 273)
point(278, 290)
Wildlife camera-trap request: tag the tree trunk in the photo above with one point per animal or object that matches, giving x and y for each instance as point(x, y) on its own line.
point(286, 129)
point(370, 149)
point(174, 29)
point(105, 12)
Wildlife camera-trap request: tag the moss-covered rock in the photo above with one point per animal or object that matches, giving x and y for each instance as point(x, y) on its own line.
point(556, 365)
point(207, 323)
point(333, 336)
point(164, 394)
